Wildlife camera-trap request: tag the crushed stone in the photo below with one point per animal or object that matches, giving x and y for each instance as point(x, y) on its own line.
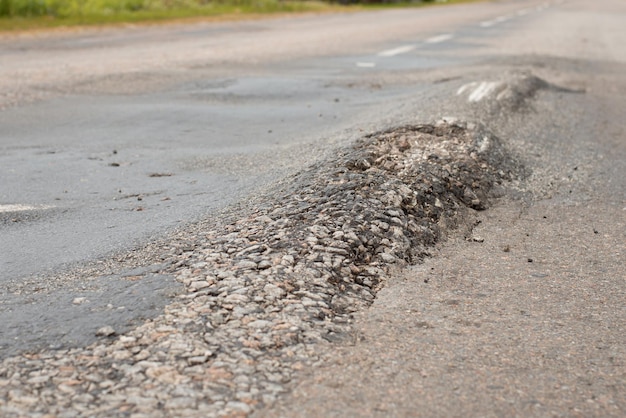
point(261, 293)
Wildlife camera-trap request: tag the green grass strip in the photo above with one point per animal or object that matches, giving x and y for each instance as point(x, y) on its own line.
point(21, 15)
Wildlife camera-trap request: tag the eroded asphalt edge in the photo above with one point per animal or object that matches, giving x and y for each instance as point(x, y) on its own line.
point(526, 317)
point(163, 366)
point(260, 296)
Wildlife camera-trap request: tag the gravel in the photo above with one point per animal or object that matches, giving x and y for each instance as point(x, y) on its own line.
point(261, 293)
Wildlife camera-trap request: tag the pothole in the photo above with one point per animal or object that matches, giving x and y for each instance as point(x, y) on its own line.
point(263, 292)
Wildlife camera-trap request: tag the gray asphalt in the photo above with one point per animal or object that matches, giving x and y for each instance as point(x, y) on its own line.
point(126, 137)
point(115, 170)
point(114, 138)
point(93, 124)
point(525, 316)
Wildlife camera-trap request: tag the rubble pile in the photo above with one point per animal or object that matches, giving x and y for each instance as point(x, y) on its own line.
point(262, 292)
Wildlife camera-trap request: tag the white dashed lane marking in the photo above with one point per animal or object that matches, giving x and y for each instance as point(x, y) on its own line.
point(478, 91)
point(499, 19)
point(403, 49)
point(521, 12)
point(439, 38)
point(21, 208)
point(397, 51)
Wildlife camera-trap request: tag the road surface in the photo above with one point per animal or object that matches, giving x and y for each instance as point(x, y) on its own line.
point(122, 149)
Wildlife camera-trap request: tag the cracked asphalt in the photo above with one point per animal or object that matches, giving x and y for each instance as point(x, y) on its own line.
point(165, 252)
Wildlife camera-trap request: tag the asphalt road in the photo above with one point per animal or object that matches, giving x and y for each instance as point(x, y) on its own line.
point(114, 138)
point(96, 120)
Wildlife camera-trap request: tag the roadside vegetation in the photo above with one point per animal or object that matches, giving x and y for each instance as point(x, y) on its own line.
point(33, 14)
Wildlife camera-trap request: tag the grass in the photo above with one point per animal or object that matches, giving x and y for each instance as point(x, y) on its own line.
point(21, 15)
point(106, 12)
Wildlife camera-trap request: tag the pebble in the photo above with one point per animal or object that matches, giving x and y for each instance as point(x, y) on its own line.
point(105, 331)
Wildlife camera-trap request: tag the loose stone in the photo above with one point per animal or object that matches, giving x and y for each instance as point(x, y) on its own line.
point(262, 291)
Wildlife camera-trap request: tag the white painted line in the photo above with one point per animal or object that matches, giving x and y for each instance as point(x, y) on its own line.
point(366, 64)
point(439, 38)
point(484, 89)
point(490, 23)
point(522, 12)
point(478, 90)
point(22, 208)
point(466, 87)
point(397, 51)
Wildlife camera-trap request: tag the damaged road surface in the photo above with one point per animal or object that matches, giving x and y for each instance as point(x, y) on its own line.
point(428, 220)
point(263, 292)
